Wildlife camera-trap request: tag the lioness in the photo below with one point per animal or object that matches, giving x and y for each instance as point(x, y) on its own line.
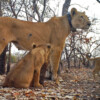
point(54, 31)
point(97, 65)
point(28, 69)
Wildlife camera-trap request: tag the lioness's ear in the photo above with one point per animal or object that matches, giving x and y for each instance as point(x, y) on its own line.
point(84, 12)
point(73, 11)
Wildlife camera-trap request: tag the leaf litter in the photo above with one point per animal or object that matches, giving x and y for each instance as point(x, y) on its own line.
point(76, 84)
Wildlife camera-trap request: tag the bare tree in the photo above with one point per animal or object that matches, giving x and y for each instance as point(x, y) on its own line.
point(65, 7)
point(98, 1)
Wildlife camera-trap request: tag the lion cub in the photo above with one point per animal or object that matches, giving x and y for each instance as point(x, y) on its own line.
point(28, 68)
point(97, 65)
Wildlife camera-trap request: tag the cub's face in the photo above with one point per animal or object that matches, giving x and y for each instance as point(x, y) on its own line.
point(42, 50)
point(79, 19)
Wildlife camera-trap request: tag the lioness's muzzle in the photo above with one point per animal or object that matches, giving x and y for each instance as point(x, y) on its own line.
point(89, 24)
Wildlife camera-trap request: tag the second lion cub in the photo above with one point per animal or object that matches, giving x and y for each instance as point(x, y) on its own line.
point(28, 68)
point(96, 70)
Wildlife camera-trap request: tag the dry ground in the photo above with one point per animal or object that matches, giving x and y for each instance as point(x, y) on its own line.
point(77, 84)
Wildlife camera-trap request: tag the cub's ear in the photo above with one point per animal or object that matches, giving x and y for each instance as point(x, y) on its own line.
point(73, 11)
point(33, 45)
point(48, 46)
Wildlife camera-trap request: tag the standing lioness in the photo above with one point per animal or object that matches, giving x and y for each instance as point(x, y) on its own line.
point(28, 68)
point(54, 31)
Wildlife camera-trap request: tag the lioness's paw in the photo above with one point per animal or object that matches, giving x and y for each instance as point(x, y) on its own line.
point(54, 77)
point(57, 81)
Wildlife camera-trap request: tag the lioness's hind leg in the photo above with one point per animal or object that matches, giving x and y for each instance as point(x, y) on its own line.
point(5, 37)
point(2, 46)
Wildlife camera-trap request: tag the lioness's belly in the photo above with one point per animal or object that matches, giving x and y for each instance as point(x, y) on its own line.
point(27, 44)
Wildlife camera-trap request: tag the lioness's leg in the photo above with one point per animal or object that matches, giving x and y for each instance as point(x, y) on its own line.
point(54, 61)
point(4, 40)
point(37, 78)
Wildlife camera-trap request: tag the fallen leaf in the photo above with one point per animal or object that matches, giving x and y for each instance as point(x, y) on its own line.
point(15, 94)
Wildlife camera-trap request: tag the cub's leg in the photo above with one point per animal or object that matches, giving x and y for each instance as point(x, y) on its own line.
point(43, 72)
point(37, 78)
point(54, 61)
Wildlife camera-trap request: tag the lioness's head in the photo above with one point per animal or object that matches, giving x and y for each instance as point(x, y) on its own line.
point(79, 19)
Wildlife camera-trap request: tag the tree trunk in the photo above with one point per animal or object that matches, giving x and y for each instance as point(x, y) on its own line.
point(65, 7)
point(98, 1)
point(0, 9)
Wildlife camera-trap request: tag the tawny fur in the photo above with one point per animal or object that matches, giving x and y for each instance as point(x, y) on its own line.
point(54, 31)
point(97, 66)
point(28, 69)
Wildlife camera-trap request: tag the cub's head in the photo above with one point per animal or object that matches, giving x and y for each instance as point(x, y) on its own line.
point(43, 49)
point(79, 19)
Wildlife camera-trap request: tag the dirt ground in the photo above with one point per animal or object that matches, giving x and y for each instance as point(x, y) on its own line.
point(76, 84)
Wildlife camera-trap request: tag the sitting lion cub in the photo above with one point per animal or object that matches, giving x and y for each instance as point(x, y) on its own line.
point(97, 65)
point(28, 68)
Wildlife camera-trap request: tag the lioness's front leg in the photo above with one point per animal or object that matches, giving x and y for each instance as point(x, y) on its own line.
point(54, 61)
